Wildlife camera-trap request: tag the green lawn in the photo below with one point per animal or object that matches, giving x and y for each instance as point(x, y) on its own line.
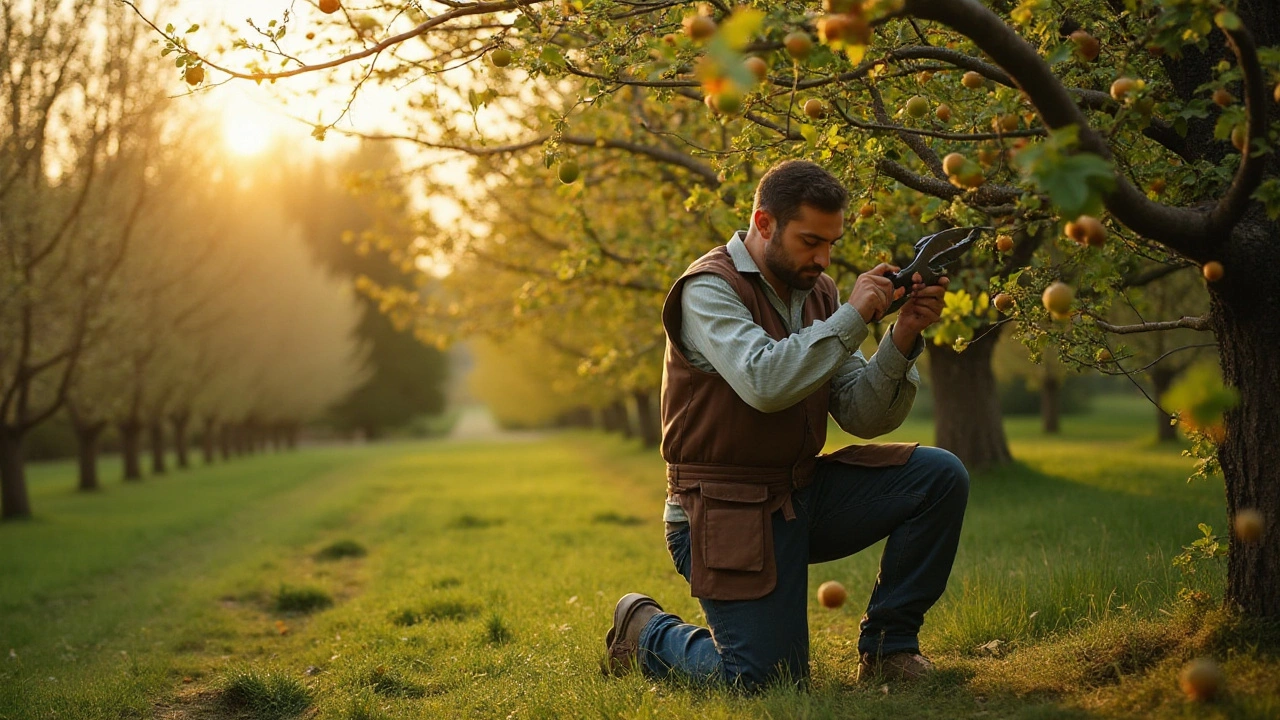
point(490, 571)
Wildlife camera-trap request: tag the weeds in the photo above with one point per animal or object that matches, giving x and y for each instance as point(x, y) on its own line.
point(301, 599)
point(266, 694)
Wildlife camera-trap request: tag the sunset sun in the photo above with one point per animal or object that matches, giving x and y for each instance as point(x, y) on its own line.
point(245, 134)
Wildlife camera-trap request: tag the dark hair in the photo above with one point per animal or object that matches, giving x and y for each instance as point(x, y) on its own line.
point(792, 183)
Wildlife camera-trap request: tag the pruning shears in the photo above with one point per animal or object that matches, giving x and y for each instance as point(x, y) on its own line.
point(935, 254)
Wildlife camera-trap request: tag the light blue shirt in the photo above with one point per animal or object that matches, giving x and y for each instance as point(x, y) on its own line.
point(718, 335)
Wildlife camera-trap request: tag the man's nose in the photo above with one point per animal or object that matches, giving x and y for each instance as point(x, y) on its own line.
point(823, 258)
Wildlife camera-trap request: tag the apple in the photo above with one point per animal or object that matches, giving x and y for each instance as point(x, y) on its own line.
point(1212, 271)
point(757, 66)
point(1248, 525)
point(729, 102)
point(1122, 87)
point(194, 74)
point(973, 80)
point(1004, 123)
point(917, 106)
point(1087, 230)
point(1003, 302)
point(1004, 243)
point(952, 163)
point(1238, 137)
point(500, 58)
point(329, 7)
point(832, 594)
point(568, 171)
point(311, 36)
point(671, 38)
point(833, 28)
point(1057, 298)
point(1222, 97)
point(924, 76)
point(1157, 186)
point(699, 27)
point(867, 210)
point(798, 44)
point(943, 112)
point(815, 108)
point(1087, 44)
point(1103, 355)
point(1201, 679)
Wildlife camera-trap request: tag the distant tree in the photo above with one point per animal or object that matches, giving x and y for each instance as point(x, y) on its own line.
point(74, 152)
point(352, 216)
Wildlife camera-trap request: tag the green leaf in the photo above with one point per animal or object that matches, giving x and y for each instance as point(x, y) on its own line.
point(1060, 54)
point(1268, 193)
point(809, 132)
point(1227, 20)
point(741, 27)
point(194, 27)
point(551, 55)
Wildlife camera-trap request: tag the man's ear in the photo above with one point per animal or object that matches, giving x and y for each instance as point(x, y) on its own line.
point(763, 220)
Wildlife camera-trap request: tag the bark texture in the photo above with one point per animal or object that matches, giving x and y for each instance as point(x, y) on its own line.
point(966, 406)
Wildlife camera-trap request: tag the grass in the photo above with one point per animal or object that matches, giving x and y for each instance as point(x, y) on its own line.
point(490, 570)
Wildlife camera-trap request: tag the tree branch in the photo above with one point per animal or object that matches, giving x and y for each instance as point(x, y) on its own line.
point(661, 154)
point(986, 195)
point(1231, 206)
point(1183, 230)
point(458, 11)
point(1189, 323)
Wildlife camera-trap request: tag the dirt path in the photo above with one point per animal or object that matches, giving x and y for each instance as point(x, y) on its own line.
point(476, 423)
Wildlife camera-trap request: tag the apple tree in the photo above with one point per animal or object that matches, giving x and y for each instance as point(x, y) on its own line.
point(1096, 136)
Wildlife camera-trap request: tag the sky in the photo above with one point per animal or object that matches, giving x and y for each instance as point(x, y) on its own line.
point(254, 116)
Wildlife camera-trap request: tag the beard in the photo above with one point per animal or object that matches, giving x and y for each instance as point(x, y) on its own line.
point(775, 258)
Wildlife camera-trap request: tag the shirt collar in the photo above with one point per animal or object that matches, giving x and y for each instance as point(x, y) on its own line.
point(740, 255)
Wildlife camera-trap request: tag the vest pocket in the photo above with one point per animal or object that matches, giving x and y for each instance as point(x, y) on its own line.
point(734, 533)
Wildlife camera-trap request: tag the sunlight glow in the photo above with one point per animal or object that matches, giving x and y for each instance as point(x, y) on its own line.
point(245, 134)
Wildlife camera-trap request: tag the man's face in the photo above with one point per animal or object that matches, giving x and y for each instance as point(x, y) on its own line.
point(800, 253)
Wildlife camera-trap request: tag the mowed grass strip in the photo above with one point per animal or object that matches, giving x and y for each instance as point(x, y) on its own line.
point(491, 569)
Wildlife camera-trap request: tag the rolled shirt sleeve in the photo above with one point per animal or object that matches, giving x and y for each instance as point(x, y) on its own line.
point(872, 397)
point(769, 375)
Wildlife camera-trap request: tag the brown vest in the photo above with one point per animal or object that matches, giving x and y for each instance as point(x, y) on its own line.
point(733, 466)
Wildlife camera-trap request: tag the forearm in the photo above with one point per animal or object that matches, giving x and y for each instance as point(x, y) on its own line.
point(871, 398)
point(773, 375)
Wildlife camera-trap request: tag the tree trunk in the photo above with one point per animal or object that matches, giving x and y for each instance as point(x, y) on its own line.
point(1050, 404)
point(225, 438)
point(87, 435)
point(14, 502)
point(966, 408)
point(179, 422)
point(1248, 335)
point(209, 439)
point(622, 418)
point(131, 448)
point(647, 419)
point(1161, 379)
point(155, 432)
point(291, 435)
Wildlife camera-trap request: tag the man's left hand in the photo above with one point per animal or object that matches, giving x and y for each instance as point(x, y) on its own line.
point(922, 310)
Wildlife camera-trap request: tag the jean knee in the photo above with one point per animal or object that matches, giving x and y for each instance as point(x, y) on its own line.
point(949, 474)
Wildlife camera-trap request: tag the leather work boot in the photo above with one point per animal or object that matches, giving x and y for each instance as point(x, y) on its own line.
point(901, 666)
point(630, 615)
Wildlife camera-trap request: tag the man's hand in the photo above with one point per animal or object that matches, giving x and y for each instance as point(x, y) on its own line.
point(873, 293)
point(922, 310)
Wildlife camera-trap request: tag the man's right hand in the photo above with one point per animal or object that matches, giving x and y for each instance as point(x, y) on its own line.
point(873, 293)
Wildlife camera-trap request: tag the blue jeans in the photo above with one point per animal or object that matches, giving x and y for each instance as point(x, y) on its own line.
point(919, 507)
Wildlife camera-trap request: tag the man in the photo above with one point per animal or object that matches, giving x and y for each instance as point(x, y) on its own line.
point(759, 351)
